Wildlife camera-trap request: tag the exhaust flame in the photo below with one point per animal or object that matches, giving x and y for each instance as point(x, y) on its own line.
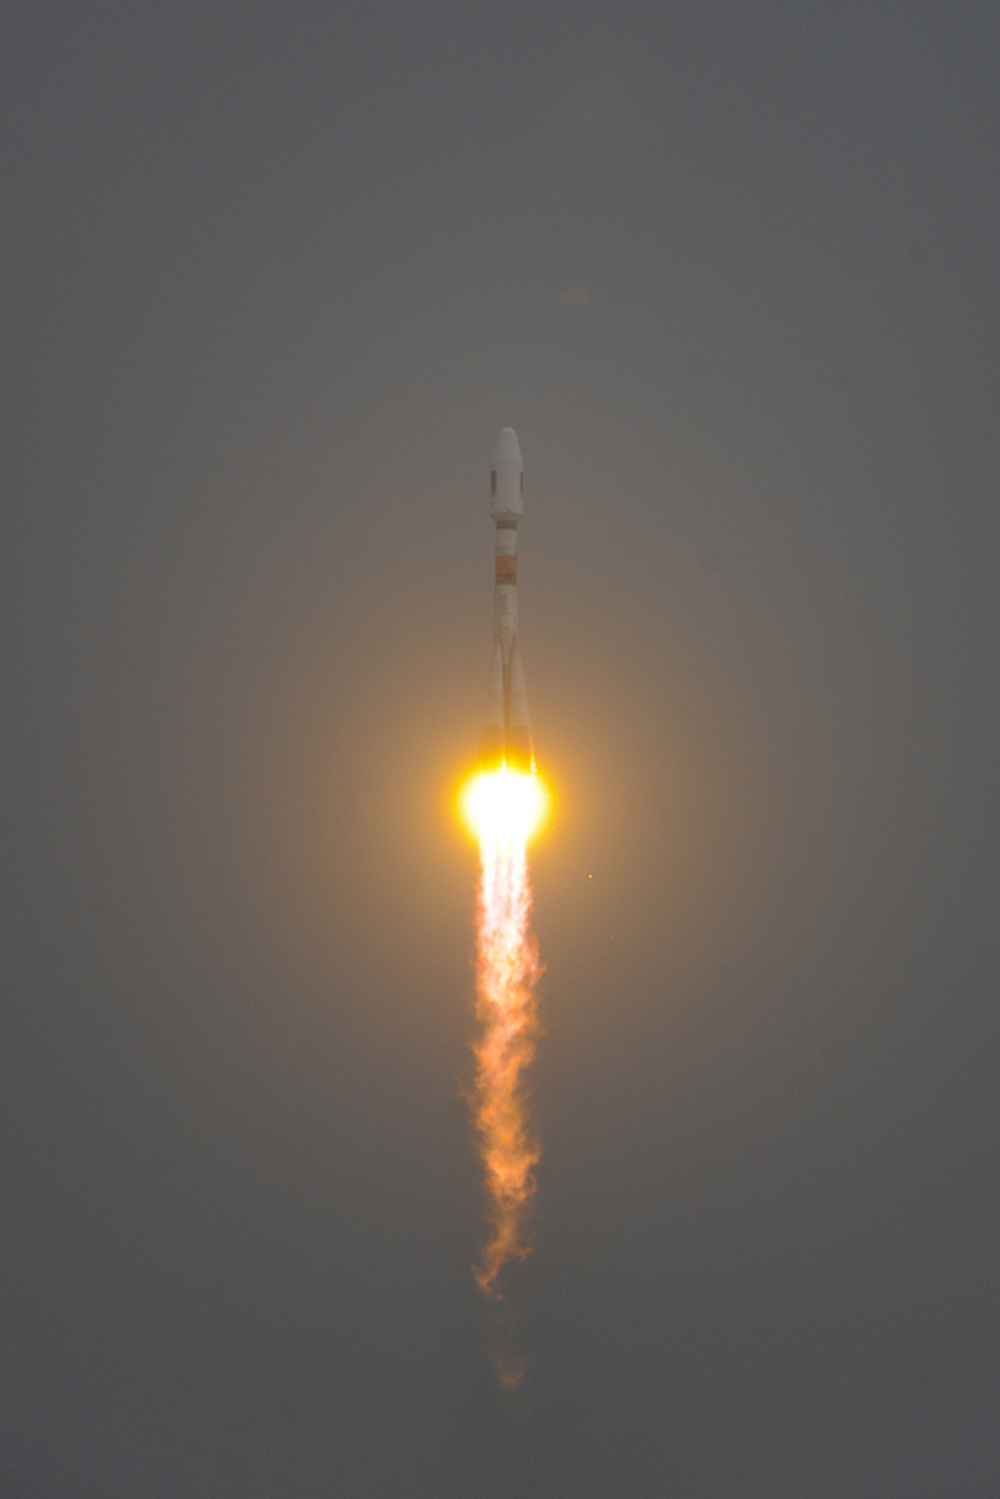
point(505, 808)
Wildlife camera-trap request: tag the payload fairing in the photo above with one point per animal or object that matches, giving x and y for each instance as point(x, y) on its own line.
point(506, 733)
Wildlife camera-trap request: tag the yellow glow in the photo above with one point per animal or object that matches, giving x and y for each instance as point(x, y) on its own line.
point(505, 806)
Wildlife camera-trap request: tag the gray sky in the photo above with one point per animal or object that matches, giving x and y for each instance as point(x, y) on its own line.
point(273, 276)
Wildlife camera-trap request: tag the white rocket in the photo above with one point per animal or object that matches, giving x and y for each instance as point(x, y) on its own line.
point(506, 733)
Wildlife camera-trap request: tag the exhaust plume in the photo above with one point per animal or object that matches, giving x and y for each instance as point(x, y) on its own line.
point(505, 807)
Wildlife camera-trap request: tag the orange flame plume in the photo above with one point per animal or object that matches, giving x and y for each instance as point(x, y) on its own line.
point(505, 808)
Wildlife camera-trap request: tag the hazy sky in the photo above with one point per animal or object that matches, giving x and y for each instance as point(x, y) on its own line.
point(272, 278)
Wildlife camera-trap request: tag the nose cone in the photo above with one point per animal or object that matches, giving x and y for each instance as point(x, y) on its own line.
point(507, 478)
point(508, 449)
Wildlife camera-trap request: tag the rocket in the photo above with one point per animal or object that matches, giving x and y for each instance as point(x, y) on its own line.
point(506, 733)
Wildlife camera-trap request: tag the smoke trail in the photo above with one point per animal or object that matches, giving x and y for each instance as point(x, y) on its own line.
point(507, 972)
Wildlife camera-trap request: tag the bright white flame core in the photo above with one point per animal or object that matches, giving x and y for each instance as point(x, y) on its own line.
point(505, 806)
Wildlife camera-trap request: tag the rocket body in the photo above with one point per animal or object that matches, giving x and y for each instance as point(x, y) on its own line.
point(506, 733)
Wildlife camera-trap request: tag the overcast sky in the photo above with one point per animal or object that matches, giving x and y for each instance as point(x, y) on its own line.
point(272, 278)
